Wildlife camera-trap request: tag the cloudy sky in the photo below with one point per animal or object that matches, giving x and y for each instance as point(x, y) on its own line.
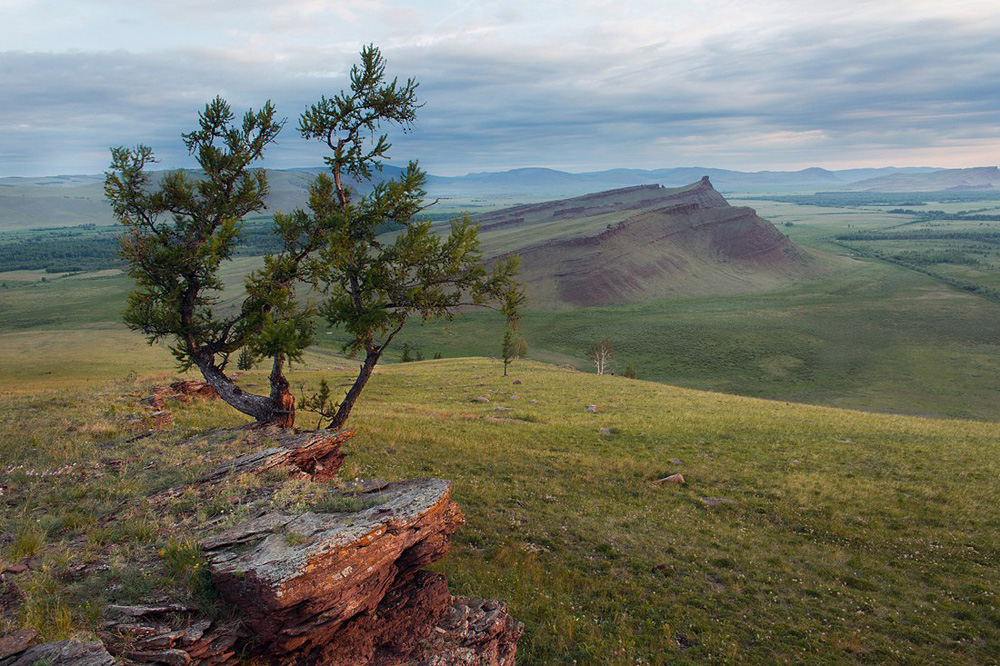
point(576, 85)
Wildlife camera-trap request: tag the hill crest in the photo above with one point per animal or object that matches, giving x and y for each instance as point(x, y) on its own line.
point(647, 243)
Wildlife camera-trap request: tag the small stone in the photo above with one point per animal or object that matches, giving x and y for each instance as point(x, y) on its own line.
point(515, 397)
point(673, 478)
point(480, 398)
point(591, 409)
point(16, 569)
point(606, 431)
point(676, 461)
point(503, 409)
point(517, 382)
point(717, 501)
point(532, 402)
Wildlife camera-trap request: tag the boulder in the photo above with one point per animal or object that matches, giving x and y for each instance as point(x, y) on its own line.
point(302, 579)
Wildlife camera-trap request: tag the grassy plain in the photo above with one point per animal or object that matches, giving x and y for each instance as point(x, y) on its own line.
point(803, 535)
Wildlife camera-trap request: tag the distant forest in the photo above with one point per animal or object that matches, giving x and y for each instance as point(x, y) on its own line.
point(88, 247)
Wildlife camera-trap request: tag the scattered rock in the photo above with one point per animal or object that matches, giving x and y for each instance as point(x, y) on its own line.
point(515, 397)
point(474, 632)
point(195, 390)
point(171, 634)
point(481, 398)
point(503, 409)
point(591, 409)
point(517, 382)
point(63, 653)
point(676, 461)
point(532, 402)
point(673, 478)
point(314, 453)
point(17, 641)
point(606, 431)
point(718, 501)
point(16, 569)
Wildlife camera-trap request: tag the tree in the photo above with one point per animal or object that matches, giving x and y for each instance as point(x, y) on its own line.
point(179, 232)
point(513, 348)
point(602, 353)
point(407, 353)
point(371, 286)
point(630, 372)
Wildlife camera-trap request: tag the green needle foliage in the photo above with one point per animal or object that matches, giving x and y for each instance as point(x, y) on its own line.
point(371, 286)
point(178, 233)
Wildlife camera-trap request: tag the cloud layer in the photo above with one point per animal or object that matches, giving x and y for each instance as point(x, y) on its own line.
point(573, 85)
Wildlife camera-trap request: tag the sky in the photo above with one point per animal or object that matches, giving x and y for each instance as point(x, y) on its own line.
point(576, 85)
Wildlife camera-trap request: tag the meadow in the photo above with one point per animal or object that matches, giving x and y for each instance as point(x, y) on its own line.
point(804, 533)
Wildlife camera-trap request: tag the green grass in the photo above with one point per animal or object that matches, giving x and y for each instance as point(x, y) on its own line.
point(849, 537)
point(881, 338)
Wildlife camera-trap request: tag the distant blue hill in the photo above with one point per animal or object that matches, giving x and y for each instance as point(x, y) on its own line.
point(79, 199)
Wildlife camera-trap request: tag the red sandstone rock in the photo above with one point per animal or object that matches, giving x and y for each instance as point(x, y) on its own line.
point(316, 453)
point(16, 641)
point(305, 577)
point(195, 389)
point(172, 634)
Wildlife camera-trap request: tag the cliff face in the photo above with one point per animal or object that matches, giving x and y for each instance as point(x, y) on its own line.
point(669, 242)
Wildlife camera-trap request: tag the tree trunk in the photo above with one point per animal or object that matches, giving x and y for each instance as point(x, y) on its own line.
point(371, 358)
point(281, 397)
point(261, 407)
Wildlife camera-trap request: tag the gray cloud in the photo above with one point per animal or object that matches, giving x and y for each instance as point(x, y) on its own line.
point(918, 90)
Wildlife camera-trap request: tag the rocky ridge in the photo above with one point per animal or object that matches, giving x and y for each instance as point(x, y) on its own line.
point(338, 588)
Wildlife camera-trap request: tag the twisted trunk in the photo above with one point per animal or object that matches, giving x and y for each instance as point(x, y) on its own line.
point(277, 408)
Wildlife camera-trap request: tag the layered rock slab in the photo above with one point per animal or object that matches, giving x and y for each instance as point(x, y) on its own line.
point(315, 454)
point(325, 586)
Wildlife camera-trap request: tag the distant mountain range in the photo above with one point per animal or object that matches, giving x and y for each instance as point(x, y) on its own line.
point(79, 199)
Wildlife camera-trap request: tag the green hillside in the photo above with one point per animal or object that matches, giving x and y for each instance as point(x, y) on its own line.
point(802, 535)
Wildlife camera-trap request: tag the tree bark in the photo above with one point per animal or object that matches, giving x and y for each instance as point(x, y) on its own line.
point(261, 407)
point(371, 359)
point(282, 398)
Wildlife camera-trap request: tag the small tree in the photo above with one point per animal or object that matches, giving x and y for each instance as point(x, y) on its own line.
point(630, 371)
point(407, 353)
point(602, 353)
point(372, 286)
point(178, 233)
point(513, 348)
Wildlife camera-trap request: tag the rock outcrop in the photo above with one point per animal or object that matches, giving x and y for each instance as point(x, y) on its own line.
point(316, 454)
point(61, 653)
point(349, 589)
point(171, 634)
point(342, 588)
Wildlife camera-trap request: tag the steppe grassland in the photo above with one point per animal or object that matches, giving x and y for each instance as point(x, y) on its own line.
point(803, 535)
